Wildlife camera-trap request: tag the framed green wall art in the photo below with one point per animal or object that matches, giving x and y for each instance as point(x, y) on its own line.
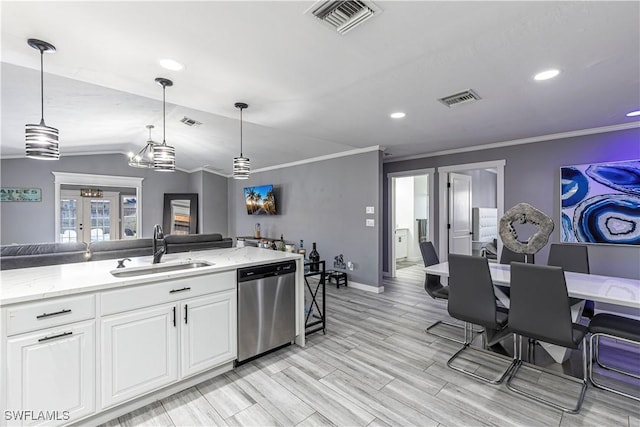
point(20, 194)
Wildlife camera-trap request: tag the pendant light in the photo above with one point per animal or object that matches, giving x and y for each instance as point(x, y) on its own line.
point(41, 140)
point(241, 165)
point(164, 156)
point(144, 158)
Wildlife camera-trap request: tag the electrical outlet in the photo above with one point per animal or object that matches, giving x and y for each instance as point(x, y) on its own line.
point(369, 210)
point(350, 265)
point(370, 222)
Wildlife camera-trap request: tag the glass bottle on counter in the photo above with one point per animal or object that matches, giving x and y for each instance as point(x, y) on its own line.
point(314, 257)
point(302, 250)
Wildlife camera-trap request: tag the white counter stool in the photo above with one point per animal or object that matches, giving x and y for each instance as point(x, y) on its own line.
point(617, 328)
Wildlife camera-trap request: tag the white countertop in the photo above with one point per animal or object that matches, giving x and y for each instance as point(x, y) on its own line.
point(612, 290)
point(29, 284)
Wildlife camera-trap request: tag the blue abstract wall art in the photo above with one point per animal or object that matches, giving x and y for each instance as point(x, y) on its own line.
point(600, 203)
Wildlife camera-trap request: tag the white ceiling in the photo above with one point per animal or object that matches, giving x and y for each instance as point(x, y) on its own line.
point(312, 92)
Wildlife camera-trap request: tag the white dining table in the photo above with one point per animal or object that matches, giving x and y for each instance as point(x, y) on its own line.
point(605, 289)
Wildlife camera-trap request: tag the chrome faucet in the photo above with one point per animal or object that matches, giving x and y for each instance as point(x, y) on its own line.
point(159, 246)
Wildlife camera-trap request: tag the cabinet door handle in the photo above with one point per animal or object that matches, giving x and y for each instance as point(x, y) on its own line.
point(64, 334)
point(186, 314)
point(179, 290)
point(45, 315)
point(174, 316)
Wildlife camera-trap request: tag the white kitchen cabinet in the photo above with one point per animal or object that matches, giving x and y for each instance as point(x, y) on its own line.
point(51, 370)
point(208, 332)
point(141, 347)
point(139, 352)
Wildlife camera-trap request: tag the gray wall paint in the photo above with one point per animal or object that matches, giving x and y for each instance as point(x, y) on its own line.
point(34, 222)
point(214, 201)
point(483, 188)
point(196, 186)
point(322, 202)
point(532, 175)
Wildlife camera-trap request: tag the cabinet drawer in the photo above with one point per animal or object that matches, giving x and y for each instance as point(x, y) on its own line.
point(49, 313)
point(146, 295)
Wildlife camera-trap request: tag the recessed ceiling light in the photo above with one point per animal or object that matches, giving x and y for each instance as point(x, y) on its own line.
point(546, 75)
point(633, 113)
point(397, 115)
point(170, 64)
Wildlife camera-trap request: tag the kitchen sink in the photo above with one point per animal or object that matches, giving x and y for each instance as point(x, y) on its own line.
point(159, 268)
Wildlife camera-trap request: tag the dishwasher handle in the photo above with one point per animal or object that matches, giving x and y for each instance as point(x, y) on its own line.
point(267, 270)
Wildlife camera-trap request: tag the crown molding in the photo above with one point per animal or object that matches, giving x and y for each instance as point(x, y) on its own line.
point(321, 158)
point(531, 140)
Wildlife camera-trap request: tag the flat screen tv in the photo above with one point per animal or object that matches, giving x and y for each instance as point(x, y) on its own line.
point(260, 200)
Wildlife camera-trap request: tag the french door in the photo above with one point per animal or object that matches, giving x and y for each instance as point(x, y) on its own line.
point(88, 219)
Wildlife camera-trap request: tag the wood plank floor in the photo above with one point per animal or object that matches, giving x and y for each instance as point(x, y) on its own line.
point(374, 367)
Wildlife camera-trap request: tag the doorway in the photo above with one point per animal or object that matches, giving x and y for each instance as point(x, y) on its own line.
point(88, 219)
point(121, 214)
point(411, 211)
point(465, 192)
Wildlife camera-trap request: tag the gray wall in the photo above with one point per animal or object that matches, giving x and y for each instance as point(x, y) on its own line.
point(23, 222)
point(214, 202)
point(483, 188)
point(322, 202)
point(196, 186)
point(532, 175)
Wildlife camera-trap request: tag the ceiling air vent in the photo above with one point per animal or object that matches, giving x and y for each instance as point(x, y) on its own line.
point(460, 98)
point(190, 122)
point(344, 16)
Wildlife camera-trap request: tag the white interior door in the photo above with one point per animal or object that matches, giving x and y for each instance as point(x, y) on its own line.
point(88, 219)
point(460, 224)
point(70, 216)
point(100, 218)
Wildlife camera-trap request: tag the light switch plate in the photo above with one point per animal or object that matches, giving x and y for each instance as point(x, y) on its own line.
point(369, 210)
point(370, 223)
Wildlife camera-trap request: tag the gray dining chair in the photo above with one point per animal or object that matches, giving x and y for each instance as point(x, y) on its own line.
point(472, 300)
point(574, 258)
point(540, 310)
point(507, 256)
point(436, 290)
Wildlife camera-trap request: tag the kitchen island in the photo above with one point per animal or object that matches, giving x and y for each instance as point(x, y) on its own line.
point(81, 345)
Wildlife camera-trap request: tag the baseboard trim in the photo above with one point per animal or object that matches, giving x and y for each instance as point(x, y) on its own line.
point(368, 288)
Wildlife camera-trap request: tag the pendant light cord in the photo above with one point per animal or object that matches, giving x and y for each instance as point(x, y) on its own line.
point(241, 132)
point(41, 87)
point(164, 114)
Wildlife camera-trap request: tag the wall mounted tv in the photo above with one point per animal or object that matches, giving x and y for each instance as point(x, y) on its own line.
point(260, 200)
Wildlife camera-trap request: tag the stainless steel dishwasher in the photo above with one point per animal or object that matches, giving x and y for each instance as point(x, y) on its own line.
point(266, 308)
